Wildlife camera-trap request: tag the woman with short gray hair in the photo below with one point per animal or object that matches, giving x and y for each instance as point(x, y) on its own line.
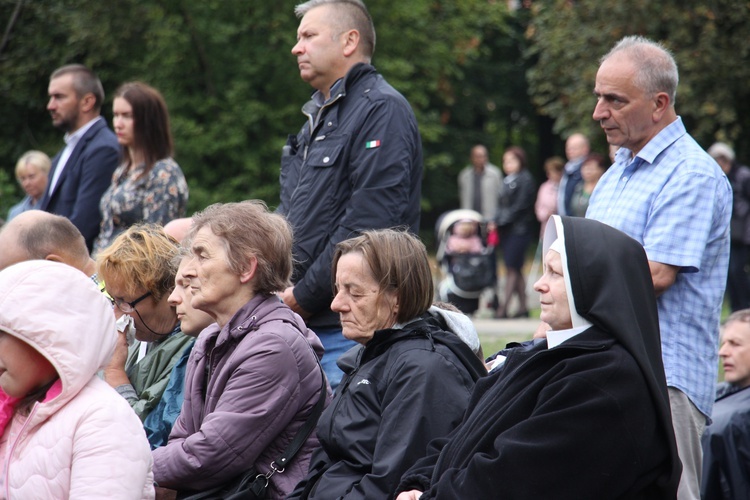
point(253, 377)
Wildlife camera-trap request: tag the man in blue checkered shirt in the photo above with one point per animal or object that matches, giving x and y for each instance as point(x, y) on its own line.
point(666, 192)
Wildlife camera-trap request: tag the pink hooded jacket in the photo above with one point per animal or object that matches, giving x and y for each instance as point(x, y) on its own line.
point(83, 440)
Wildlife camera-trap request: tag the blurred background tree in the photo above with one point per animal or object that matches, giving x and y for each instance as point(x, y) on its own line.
point(491, 71)
point(708, 39)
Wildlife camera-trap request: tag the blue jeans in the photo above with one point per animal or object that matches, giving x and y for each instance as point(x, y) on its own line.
point(335, 345)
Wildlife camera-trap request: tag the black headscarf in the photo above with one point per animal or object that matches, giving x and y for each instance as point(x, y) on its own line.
point(611, 284)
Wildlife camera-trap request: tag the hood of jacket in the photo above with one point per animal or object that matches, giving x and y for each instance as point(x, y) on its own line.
point(61, 313)
point(460, 324)
point(430, 327)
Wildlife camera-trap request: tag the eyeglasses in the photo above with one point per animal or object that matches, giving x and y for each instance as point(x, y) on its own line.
point(129, 307)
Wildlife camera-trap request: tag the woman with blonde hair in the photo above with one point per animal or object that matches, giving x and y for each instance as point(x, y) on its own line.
point(32, 170)
point(139, 274)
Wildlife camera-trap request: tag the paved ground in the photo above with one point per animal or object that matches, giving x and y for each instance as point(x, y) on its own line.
point(504, 327)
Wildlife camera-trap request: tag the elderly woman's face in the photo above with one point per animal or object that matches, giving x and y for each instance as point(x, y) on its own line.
point(552, 294)
point(213, 284)
point(33, 181)
point(362, 307)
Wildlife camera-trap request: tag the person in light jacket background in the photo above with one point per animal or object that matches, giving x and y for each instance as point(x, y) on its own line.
point(32, 170)
point(479, 183)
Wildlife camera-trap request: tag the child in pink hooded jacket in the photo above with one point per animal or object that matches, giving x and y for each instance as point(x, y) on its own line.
point(65, 432)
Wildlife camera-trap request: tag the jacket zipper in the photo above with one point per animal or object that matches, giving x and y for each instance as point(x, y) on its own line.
point(314, 121)
point(13, 448)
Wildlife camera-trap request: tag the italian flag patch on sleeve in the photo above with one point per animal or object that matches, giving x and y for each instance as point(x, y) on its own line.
point(372, 144)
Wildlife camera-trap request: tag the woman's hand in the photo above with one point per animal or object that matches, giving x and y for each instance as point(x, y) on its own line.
point(409, 495)
point(114, 373)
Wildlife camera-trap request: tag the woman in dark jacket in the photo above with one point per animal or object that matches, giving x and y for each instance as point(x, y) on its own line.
point(408, 382)
point(516, 221)
point(582, 414)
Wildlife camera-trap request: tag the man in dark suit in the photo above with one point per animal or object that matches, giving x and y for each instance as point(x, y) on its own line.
point(83, 169)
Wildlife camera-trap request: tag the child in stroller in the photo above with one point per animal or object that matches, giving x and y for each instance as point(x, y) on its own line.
point(466, 259)
point(464, 238)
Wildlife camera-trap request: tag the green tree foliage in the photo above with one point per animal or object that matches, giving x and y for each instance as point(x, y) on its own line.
point(233, 88)
point(709, 41)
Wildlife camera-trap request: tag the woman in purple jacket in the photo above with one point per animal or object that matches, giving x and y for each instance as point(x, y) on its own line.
point(253, 378)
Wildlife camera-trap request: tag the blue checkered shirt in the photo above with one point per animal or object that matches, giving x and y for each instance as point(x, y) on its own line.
point(675, 200)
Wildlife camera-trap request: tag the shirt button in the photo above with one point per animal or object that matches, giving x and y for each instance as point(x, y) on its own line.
point(624, 179)
point(326, 159)
point(330, 124)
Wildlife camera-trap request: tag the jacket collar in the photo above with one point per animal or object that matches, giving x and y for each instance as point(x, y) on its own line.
point(356, 73)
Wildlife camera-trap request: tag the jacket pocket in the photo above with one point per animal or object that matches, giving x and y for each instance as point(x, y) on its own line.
point(326, 152)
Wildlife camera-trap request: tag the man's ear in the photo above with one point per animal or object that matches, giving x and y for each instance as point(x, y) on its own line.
point(662, 103)
point(87, 102)
point(350, 41)
point(55, 258)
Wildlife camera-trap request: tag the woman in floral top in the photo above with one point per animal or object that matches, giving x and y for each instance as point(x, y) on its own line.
point(149, 185)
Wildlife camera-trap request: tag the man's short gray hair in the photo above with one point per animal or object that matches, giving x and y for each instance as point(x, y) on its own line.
point(350, 14)
point(742, 316)
point(656, 67)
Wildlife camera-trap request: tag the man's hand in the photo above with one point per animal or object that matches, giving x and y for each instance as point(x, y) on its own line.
point(114, 373)
point(287, 296)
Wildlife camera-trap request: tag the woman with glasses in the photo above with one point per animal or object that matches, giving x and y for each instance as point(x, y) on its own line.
point(139, 275)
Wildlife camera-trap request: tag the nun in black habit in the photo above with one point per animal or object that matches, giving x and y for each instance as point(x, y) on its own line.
point(582, 414)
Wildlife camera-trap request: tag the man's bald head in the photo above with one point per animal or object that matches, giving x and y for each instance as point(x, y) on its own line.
point(40, 235)
point(178, 228)
point(576, 146)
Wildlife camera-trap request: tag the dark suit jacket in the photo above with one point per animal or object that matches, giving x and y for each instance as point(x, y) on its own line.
point(86, 176)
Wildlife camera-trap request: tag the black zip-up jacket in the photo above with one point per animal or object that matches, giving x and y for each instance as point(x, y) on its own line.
point(402, 389)
point(726, 446)
point(355, 165)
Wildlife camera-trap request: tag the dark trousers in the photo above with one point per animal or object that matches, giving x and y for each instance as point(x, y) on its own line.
point(738, 283)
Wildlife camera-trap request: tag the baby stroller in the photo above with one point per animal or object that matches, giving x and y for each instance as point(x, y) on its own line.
point(470, 267)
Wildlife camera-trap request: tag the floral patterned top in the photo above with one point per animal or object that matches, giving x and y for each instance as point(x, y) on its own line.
point(157, 196)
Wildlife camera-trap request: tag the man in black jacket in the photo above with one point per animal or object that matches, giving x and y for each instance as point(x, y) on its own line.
point(355, 165)
point(726, 442)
